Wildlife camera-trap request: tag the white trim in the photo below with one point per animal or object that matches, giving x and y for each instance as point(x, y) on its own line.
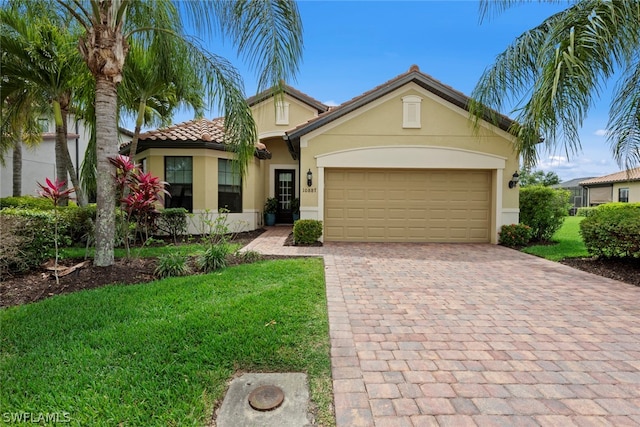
point(309, 212)
point(509, 216)
point(320, 179)
point(410, 156)
point(498, 186)
point(271, 134)
point(272, 177)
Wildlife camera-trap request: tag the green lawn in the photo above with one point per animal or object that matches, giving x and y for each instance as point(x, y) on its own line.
point(161, 353)
point(569, 242)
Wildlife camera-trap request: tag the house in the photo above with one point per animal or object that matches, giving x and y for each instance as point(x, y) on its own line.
point(399, 163)
point(623, 186)
point(39, 162)
point(578, 198)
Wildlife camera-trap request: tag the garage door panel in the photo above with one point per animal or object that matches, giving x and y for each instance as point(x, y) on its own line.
point(407, 205)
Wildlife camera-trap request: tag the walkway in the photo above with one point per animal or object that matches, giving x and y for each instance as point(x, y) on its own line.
point(465, 335)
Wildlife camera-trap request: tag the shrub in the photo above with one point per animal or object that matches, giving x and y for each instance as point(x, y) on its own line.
point(173, 221)
point(307, 231)
point(515, 235)
point(249, 256)
point(78, 222)
point(26, 202)
point(543, 209)
point(27, 238)
point(172, 265)
point(585, 211)
point(214, 257)
point(612, 230)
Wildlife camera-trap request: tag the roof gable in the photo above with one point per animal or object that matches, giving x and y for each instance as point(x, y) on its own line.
point(414, 75)
point(292, 92)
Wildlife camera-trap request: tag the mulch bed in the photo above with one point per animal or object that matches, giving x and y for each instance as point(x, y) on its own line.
point(38, 285)
point(289, 242)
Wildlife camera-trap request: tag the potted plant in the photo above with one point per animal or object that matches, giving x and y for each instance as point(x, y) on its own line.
point(270, 209)
point(295, 209)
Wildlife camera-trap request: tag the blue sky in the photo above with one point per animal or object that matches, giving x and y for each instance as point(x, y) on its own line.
point(351, 47)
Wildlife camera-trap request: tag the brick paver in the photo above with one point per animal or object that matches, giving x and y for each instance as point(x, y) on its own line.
point(465, 335)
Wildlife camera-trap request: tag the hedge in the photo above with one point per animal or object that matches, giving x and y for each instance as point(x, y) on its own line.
point(612, 230)
point(543, 209)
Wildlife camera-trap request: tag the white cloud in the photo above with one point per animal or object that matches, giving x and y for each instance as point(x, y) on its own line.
point(555, 162)
point(331, 103)
point(600, 132)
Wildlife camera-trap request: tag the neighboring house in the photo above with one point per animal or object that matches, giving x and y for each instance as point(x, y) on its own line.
point(39, 162)
point(399, 163)
point(578, 197)
point(621, 186)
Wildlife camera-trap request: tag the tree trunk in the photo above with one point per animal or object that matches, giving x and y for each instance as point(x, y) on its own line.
point(61, 147)
point(17, 168)
point(66, 157)
point(106, 147)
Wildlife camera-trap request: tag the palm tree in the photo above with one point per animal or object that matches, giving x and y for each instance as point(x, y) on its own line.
point(153, 93)
point(19, 127)
point(267, 33)
point(555, 72)
point(39, 56)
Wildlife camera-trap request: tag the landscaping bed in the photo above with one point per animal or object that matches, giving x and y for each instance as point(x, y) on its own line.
point(625, 270)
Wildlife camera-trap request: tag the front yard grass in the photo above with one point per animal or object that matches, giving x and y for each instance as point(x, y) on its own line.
point(568, 244)
point(161, 353)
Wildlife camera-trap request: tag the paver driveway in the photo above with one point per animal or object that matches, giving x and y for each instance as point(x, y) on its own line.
point(463, 335)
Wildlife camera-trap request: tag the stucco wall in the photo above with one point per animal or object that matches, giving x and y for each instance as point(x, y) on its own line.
point(205, 184)
point(264, 114)
point(634, 190)
point(445, 129)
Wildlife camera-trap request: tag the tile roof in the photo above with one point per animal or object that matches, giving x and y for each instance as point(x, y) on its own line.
point(194, 130)
point(622, 176)
point(413, 75)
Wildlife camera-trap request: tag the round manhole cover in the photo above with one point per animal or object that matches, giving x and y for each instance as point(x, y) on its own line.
point(266, 398)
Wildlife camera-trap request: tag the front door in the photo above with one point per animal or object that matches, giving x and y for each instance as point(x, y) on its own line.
point(285, 193)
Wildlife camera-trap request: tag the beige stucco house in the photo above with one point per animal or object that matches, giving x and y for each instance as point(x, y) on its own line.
point(398, 163)
point(623, 186)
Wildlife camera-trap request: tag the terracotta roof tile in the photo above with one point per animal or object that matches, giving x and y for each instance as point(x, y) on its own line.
point(295, 93)
point(193, 130)
point(622, 176)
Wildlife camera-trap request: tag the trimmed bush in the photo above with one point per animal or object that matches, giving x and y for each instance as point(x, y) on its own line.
point(585, 211)
point(543, 209)
point(515, 235)
point(26, 202)
point(173, 221)
point(307, 231)
point(27, 238)
point(612, 230)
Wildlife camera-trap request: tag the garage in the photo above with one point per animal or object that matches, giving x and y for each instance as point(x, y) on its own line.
point(415, 205)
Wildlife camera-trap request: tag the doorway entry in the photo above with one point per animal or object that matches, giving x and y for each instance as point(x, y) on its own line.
point(285, 192)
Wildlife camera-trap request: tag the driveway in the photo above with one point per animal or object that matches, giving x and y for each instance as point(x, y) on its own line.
point(464, 335)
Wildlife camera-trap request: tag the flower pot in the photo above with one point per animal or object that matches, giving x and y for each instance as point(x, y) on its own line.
point(269, 219)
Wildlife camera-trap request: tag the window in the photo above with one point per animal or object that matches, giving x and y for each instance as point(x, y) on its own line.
point(178, 172)
point(411, 112)
point(229, 187)
point(143, 164)
point(623, 195)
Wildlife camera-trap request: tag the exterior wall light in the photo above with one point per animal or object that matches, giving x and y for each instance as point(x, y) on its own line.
point(309, 178)
point(514, 180)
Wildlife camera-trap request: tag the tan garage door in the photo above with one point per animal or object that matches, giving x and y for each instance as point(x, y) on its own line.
point(382, 205)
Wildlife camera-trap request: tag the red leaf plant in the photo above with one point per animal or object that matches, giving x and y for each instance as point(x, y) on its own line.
point(54, 191)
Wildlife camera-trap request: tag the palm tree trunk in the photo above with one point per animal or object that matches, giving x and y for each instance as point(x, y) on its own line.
point(17, 168)
point(106, 147)
point(60, 147)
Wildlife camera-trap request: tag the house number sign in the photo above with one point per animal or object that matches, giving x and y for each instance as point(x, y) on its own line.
point(309, 190)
